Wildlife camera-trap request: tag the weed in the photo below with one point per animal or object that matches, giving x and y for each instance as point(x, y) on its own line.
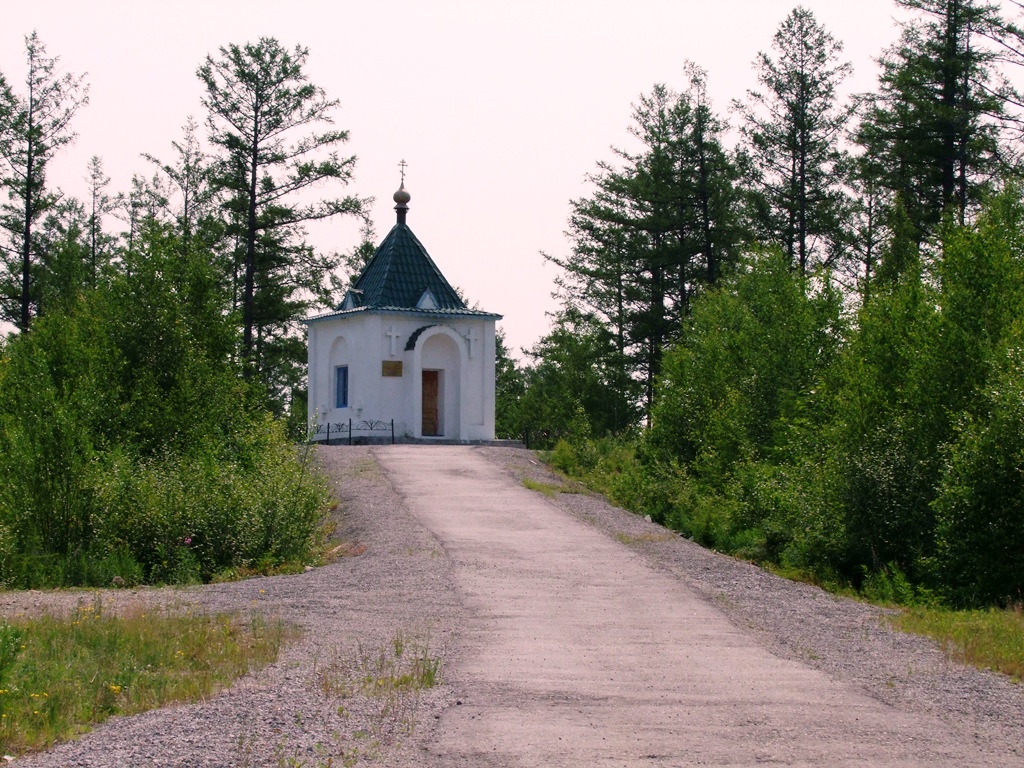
point(68, 673)
point(990, 639)
point(10, 647)
point(368, 467)
point(548, 489)
point(645, 538)
point(399, 643)
point(387, 681)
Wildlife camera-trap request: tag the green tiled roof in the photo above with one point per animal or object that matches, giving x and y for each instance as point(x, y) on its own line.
point(399, 273)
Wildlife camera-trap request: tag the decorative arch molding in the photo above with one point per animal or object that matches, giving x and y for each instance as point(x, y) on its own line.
point(339, 354)
point(456, 381)
point(422, 335)
point(410, 345)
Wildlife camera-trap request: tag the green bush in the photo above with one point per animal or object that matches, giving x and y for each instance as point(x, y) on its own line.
point(791, 506)
point(890, 586)
point(184, 519)
point(980, 503)
point(132, 450)
point(50, 398)
point(704, 516)
point(188, 518)
point(563, 457)
point(655, 489)
point(7, 554)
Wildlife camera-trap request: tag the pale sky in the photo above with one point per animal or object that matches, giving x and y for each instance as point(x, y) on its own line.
point(500, 110)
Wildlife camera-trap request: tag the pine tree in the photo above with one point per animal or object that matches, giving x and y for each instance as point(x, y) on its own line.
point(263, 113)
point(100, 204)
point(192, 200)
point(62, 271)
point(34, 126)
point(791, 130)
point(714, 197)
point(658, 228)
point(933, 128)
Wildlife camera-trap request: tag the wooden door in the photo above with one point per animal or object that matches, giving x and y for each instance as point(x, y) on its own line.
point(430, 391)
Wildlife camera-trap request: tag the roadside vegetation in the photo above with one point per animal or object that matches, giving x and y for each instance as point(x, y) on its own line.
point(151, 396)
point(59, 675)
point(882, 446)
point(131, 453)
point(989, 638)
point(383, 685)
point(806, 349)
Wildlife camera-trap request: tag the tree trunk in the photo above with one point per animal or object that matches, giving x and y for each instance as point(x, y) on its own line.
point(869, 251)
point(710, 256)
point(802, 204)
point(962, 119)
point(250, 264)
point(950, 87)
point(26, 246)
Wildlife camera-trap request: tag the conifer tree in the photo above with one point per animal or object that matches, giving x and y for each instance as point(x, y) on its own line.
point(933, 128)
point(658, 228)
point(34, 126)
point(264, 117)
point(62, 271)
point(100, 204)
point(791, 130)
point(191, 196)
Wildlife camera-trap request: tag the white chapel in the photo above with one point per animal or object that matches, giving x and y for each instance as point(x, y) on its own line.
point(402, 347)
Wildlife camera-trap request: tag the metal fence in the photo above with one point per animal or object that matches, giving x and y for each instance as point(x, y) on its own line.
point(346, 431)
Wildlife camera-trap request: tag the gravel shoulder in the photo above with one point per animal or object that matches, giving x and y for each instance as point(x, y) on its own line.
point(309, 708)
point(849, 640)
point(301, 711)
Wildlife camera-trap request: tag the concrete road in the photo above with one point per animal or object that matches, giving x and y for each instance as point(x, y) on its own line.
point(580, 654)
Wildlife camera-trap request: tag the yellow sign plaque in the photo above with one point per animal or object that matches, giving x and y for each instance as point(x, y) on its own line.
point(391, 368)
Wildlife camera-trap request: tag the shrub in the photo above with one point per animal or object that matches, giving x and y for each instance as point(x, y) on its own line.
point(129, 454)
point(188, 518)
point(980, 503)
point(890, 586)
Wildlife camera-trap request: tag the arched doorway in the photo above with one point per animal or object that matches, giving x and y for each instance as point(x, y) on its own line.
point(440, 370)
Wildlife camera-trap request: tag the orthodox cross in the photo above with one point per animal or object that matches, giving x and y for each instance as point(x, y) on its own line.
point(472, 337)
point(402, 166)
point(394, 336)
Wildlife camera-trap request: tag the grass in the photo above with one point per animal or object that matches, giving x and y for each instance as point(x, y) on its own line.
point(645, 538)
point(384, 682)
point(405, 664)
point(61, 675)
point(990, 639)
point(548, 489)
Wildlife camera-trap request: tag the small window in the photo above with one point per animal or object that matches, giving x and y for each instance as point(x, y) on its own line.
point(341, 386)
